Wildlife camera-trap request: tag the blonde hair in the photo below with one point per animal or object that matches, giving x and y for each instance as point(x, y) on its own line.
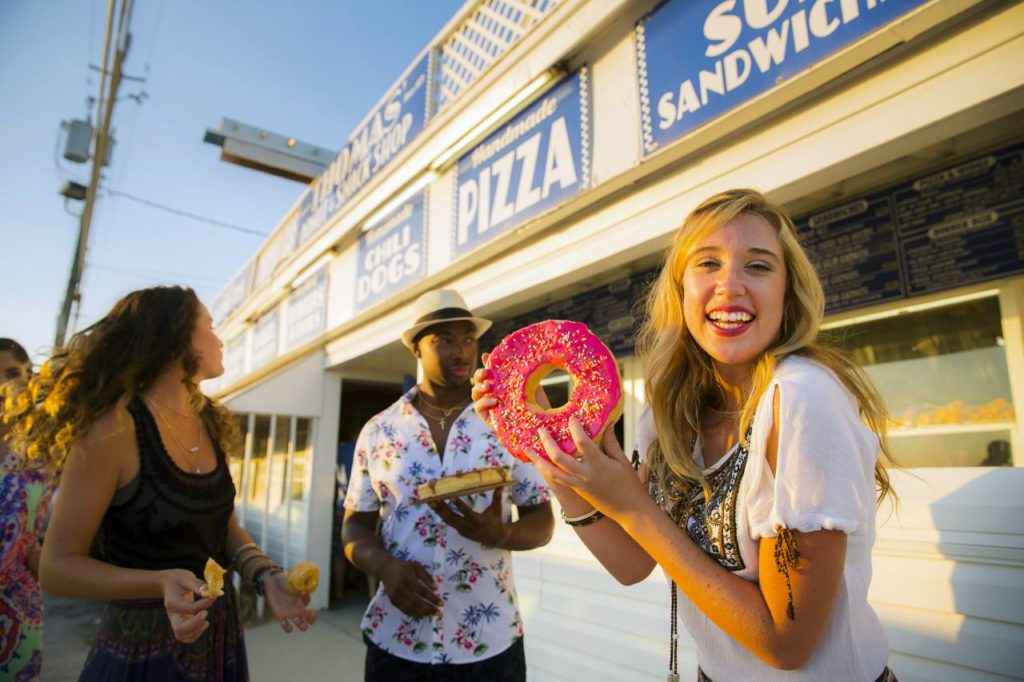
point(104, 366)
point(679, 374)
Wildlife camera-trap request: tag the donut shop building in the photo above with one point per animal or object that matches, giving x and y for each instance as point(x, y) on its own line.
point(538, 155)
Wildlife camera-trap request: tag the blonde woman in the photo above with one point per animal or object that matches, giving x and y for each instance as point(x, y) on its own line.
point(144, 482)
point(763, 454)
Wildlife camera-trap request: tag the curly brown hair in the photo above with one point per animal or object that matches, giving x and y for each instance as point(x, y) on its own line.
point(106, 365)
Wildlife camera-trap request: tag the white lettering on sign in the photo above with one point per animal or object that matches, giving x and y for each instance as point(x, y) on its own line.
point(388, 262)
point(779, 39)
point(306, 311)
point(476, 202)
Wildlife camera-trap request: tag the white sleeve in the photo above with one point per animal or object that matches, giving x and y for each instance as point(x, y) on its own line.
point(824, 476)
point(645, 434)
point(361, 495)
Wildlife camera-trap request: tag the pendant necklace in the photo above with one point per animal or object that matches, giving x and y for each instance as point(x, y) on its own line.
point(194, 450)
point(445, 413)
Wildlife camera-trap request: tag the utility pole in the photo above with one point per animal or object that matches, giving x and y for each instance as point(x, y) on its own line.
point(104, 111)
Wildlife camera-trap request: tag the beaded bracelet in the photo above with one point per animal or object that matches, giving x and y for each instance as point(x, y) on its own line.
point(255, 554)
point(244, 548)
point(259, 576)
point(590, 517)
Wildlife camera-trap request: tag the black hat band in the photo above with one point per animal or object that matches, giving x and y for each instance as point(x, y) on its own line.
point(444, 314)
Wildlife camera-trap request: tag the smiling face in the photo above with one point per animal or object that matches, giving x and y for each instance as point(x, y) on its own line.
point(207, 346)
point(448, 352)
point(734, 289)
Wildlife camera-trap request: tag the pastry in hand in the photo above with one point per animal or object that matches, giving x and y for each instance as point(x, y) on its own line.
point(463, 482)
point(304, 577)
point(214, 576)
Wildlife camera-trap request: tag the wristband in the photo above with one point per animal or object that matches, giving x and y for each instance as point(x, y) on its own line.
point(260, 575)
point(244, 548)
point(590, 517)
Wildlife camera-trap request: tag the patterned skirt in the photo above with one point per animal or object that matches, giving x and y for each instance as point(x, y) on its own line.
point(135, 643)
point(21, 641)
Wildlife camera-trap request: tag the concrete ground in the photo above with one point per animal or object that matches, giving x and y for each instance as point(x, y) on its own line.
point(330, 650)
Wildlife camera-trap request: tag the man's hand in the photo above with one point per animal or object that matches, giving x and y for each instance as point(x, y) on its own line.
point(487, 527)
point(411, 588)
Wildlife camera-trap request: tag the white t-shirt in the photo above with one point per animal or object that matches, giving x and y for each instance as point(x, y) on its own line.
point(824, 480)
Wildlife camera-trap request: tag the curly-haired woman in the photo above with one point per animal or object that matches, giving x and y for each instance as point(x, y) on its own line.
point(144, 474)
point(25, 493)
point(764, 450)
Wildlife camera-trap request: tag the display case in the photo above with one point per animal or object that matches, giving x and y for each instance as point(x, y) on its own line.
point(943, 373)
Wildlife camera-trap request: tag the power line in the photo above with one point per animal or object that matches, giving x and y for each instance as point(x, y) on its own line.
point(186, 214)
point(150, 274)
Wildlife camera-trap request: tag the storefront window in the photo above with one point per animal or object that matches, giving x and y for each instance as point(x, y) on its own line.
point(257, 475)
point(236, 459)
point(272, 502)
point(303, 443)
point(944, 377)
point(279, 462)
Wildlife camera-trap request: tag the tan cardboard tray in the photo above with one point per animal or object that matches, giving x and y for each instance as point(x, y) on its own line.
point(463, 493)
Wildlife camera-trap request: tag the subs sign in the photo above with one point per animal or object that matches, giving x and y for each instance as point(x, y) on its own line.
point(697, 59)
point(534, 162)
point(392, 255)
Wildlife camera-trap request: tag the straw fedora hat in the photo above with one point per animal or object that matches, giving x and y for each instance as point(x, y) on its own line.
point(438, 306)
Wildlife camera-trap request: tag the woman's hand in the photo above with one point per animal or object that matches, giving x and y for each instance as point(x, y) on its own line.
point(601, 476)
point(187, 616)
point(288, 606)
point(481, 392)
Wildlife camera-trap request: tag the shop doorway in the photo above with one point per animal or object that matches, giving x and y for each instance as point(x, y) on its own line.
point(360, 401)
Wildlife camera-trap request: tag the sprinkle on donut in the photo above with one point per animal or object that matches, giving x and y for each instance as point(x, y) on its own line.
point(519, 363)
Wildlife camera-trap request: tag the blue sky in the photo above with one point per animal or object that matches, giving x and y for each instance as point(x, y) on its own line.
point(309, 69)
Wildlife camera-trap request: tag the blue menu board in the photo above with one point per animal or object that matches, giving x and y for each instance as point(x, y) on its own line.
point(956, 226)
point(963, 224)
point(853, 247)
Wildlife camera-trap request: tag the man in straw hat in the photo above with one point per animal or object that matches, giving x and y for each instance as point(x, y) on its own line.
point(447, 606)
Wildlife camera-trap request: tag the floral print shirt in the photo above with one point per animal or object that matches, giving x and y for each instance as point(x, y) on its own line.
point(24, 502)
point(395, 453)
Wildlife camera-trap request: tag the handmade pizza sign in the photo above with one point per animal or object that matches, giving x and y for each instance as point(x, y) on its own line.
point(531, 164)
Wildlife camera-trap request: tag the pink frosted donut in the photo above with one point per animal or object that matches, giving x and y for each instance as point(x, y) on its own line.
point(525, 357)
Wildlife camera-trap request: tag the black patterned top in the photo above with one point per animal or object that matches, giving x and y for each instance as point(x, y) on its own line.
point(710, 520)
point(166, 517)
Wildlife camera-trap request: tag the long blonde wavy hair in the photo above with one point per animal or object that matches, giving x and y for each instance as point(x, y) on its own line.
point(679, 374)
point(107, 364)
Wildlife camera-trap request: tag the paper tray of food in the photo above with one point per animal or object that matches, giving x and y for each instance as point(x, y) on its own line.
point(461, 484)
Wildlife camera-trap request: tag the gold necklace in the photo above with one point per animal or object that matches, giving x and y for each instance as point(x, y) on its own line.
point(169, 408)
point(445, 414)
point(183, 448)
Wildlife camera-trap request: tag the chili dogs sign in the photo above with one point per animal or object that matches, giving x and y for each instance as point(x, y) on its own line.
point(532, 163)
point(393, 255)
point(697, 59)
point(384, 133)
